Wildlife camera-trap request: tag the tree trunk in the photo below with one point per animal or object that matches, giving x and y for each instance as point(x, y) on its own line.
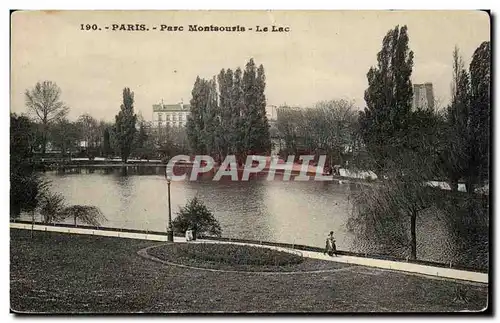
point(75, 220)
point(413, 235)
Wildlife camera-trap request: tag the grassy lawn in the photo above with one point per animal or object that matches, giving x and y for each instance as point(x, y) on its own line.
point(238, 257)
point(63, 273)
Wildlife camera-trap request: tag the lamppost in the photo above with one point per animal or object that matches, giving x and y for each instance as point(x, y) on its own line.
point(170, 231)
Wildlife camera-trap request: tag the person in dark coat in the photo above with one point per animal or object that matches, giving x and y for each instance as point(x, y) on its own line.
point(330, 248)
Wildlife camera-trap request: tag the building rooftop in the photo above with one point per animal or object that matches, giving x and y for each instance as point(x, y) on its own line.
point(170, 107)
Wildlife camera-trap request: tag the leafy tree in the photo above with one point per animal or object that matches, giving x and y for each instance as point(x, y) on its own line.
point(64, 135)
point(197, 217)
point(203, 125)
point(289, 128)
point(211, 119)
point(261, 130)
point(390, 208)
point(330, 128)
point(255, 124)
point(124, 129)
point(479, 130)
point(237, 115)
point(90, 133)
point(141, 140)
point(388, 97)
point(456, 151)
point(403, 144)
point(225, 130)
point(466, 155)
point(178, 137)
point(195, 122)
point(327, 128)
point(25, 184)
point(45, 105)
point(232, 119)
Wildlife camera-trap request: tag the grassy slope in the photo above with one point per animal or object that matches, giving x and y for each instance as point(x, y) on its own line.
point(71, 273)
point(183, 253)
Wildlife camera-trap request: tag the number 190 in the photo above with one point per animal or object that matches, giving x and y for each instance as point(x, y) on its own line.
point(88, 27)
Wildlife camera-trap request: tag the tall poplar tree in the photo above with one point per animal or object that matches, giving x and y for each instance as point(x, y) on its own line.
point(237, 115)
point(211, 118)
point(195, 122)
point(249, 110)
point(388, 98)
point(262, 125)
point(124, 128)
point(399, 140)
point(456, 152)
point(225, 81)
point(255, 124)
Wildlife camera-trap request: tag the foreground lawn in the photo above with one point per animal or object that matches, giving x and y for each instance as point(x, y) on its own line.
point(63, 273)
point(234, 257)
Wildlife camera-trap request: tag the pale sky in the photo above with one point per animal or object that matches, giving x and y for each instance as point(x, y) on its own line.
point(326, 54)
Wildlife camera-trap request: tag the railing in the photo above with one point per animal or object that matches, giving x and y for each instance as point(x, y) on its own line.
point(269, 243)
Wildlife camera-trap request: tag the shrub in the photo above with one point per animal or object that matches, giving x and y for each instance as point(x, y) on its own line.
point(197, 217)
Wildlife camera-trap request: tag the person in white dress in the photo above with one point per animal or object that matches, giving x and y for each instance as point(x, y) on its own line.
point(189, 235)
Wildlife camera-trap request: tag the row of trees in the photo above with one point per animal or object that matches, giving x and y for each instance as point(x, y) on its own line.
point(328, 128)
point(49, 126)
point(410, 147)
point(29, 191)
point(231, 119)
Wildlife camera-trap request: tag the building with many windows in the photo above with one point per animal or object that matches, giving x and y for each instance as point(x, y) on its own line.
point(173, 115)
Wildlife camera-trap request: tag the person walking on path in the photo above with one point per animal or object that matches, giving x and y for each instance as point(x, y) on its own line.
point(330, 248)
